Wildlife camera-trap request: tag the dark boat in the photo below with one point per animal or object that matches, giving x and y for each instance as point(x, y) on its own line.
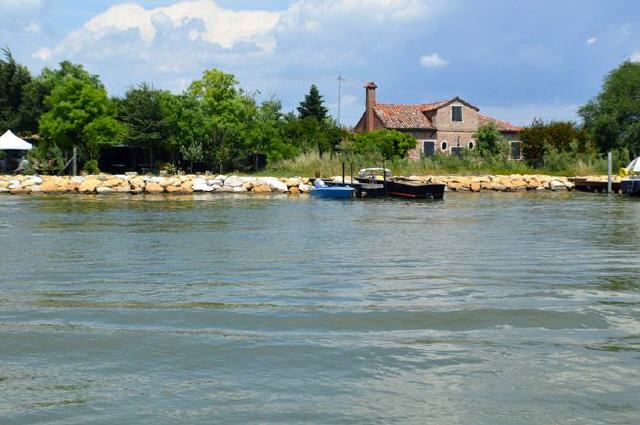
point(409, 189)
point(387, 185)
point(631, 186)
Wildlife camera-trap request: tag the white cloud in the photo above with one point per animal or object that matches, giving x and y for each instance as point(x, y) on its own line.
point(214, 24)
point(592, 40)
point(635, 57)
point(432, 61)
point(43, 54)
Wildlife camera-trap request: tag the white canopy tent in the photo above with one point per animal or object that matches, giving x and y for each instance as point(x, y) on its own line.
point(10, 141)
point(634, 166)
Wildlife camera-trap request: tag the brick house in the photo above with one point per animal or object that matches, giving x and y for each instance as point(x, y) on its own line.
point(446, 126)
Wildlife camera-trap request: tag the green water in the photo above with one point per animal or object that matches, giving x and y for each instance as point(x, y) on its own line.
point(482, 309)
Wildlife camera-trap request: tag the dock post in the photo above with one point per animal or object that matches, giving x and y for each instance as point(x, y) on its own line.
point(75, 161)
point(343, 181)
point(351, 172)
point(384, 179)
point(609, 166)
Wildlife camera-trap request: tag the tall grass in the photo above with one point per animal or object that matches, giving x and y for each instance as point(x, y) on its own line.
point(561, 164)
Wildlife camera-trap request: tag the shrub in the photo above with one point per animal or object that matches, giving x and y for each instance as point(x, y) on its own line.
point(384, 144)
point(46, 159)
point(91, 167)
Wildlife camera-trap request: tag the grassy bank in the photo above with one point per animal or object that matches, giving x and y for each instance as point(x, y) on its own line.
point(563, 165)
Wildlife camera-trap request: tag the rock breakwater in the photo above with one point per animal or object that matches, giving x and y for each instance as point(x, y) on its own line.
point(133, 183)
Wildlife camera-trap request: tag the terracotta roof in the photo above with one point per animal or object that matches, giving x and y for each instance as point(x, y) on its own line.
point(426, 107)
point(500, 125)
point(413, 116)
point(404, 116)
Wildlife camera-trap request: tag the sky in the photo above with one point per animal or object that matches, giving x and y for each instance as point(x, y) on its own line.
point(515, 60)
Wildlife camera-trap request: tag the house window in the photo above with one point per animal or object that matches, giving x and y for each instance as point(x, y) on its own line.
point(457, 151)
point(471, 145)
point(456, 113)
point(444, 145)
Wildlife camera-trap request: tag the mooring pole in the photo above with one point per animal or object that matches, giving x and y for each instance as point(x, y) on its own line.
point(351, 172)
point(609, 166)
point(75, 161)
point(384, 179)
point(343, 182)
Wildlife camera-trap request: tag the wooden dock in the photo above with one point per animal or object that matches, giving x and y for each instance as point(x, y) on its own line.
point(594, 186)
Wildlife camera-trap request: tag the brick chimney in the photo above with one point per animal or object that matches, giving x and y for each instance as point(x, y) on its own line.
point(370, 103)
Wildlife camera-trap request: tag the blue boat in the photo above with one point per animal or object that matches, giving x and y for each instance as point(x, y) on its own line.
point(321, 190)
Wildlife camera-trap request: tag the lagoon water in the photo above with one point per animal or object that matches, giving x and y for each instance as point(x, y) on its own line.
point(482, 309)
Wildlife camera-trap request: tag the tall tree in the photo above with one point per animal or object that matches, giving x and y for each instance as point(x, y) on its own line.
point(80, 114)
point(313, 105)
point(141, 111)
point(34, 105)
point(613, 117)
point(14, 78)
point(490, 141)
point(231, 113)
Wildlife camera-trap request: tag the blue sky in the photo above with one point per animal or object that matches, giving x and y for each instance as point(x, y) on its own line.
point(514, 59)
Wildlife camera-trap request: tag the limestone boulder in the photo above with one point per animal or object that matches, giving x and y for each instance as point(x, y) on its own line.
point(278, 186)
point(113, 182)
point(304, 188)
point(187, 186)
point(291, 182)
point(201, 185)
point(123, 187)
point(152, 187)
point(233, 181)
point(476, 187)
point(557, 185)
point(48, 186)
point(20, 190)
point(35, 179)
point(88, 186)
point(294, 191)
point(174, 189)
point(104, 189)
point(262, 188)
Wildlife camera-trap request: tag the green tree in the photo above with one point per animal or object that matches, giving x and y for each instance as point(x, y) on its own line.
point(80, 114)
point(540, 139)
point(383, 144)
point(613, 117)
point(189, 127)
point(490, 142)
point(33, 104)
point(231, 114)
point(313, 105)
point(14, 79)
point(142, 113)
point(268, 133)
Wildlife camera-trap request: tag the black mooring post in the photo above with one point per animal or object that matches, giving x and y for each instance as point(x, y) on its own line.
point(351, 172)
point(343, 182)
point(384, 179)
